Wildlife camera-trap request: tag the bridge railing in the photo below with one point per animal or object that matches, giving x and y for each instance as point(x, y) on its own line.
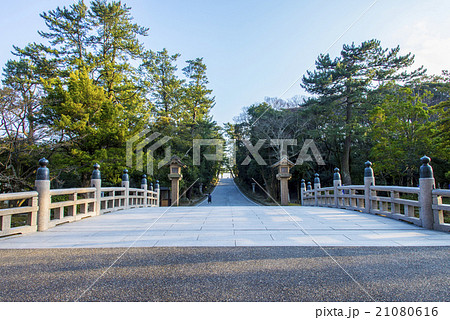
point(18, 213)
point(25, 212)
point(439, 208)
point(112, 199)
point(423, 206)
point(68, 205)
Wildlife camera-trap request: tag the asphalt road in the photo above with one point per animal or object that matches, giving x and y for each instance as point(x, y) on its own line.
point(226, 274)
point(226, 193)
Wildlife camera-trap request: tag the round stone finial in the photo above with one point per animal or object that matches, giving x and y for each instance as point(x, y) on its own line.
point(426, 171)
point(157, 185)
point(425, 160)
point(151, 186)
point(96, 172)
point(308, 187)
point(42, 173)
point(144, 179)
point(368, 171)
point(43, 162)
point(303, 181)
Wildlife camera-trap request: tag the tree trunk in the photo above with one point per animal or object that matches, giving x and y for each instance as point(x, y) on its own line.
point(345, 165)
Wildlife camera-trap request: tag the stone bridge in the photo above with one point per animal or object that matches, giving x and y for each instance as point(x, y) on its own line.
point(230, 220)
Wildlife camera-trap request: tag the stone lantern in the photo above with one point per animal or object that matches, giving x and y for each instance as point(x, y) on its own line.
point(175, 176)
point(284, 165)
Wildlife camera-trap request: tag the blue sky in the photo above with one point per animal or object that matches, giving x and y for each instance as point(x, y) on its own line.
point(255, 49)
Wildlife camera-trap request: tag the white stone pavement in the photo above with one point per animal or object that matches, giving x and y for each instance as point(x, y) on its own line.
point(228, 225)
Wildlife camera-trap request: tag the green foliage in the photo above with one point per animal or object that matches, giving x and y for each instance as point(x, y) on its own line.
point(400, 133)
point(196, 99)
point(341, 87)
point(78, 98)
point(92, 127)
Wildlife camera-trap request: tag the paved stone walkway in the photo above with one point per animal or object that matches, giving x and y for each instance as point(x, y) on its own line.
point(212, 225)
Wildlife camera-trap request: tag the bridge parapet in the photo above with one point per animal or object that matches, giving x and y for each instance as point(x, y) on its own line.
point(422, 206)
point(25, 212)
point(23, 206)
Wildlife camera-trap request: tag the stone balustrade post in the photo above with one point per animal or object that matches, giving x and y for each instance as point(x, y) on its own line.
point(302, 190)
point(426, 186)
point(308, 186)
point(337, 182)
point(144, 186)
point(96, 182)
point(316, 192)
point(42, 184)
point(253, 187)
point(369, 180)
point(153, 202)
point(126, 184)
point(157, 193)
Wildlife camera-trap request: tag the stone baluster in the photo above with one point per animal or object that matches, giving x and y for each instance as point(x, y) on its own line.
point(302, 191)
point(337, 182)
point(144, 186)
point(126, 184)
point(369, 180)
point(152, 201)
point(426, 186)
point(157, 193)
point(316, 187)
point(42, 184)
point(96, 182)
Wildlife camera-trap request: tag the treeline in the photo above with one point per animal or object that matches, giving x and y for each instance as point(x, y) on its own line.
point(89, 87)
point(366, 104)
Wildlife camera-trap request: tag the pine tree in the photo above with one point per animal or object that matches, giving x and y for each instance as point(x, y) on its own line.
point(197, 101)
point(341, 86)
point(159, 69)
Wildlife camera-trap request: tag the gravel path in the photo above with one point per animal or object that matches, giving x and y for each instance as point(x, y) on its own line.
point(226, 274)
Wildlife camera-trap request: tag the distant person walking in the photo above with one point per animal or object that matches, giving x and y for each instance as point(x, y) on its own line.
point(209, 198)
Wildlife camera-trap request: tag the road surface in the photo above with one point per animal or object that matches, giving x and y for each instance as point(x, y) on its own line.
point(227, 193)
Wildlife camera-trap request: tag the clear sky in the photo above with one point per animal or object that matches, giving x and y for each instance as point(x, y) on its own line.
point(259, 48)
